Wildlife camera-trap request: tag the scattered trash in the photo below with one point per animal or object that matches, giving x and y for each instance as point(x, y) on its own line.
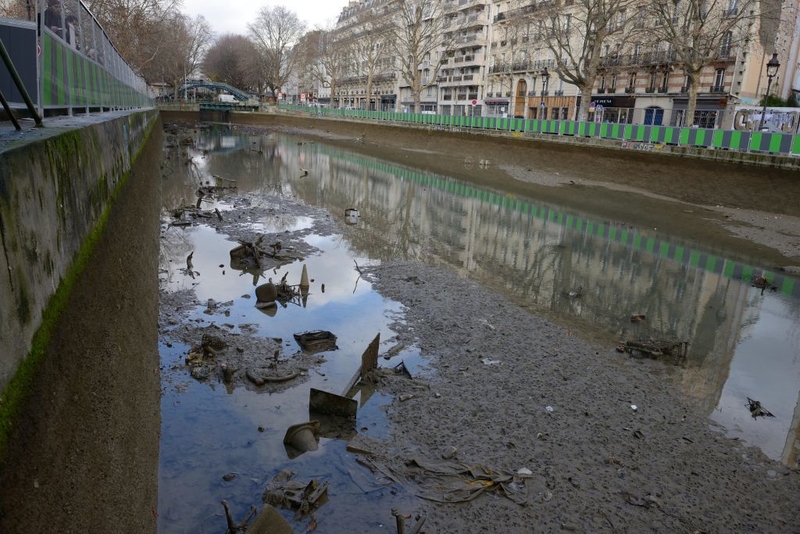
point(228, 477)
point(450, 453)
point(361, 444)
point(487, 361)
point(233, 526)
point(316, 341)
point(756, 410)
point(637, 318)
point(304, 285)
point(548, 408)
point(406, 397)
point(266, 294)
point(762, 283)
point(326, 403)
point(673, 351)
point(401, 368)
point(400, 520)
point(270, 521)
point(303, 497)
point(301, 438)
point(574, 294)
point(525, 472)
point(351, 216)
point(634, 408)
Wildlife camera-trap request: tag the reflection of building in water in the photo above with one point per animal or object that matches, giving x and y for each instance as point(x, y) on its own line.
point(537, 252)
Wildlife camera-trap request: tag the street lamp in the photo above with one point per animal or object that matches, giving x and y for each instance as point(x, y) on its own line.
point(772, 70)
point(545, 81)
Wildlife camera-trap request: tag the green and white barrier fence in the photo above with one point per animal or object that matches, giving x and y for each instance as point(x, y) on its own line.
point(646, 135)
point(80, 68)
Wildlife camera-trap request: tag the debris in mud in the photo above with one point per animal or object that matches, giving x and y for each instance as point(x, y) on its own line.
point(400, 521)
point(637, 317)
point(303, 497)
point(233, 526)
point(756, 410)
point(301, 438)
point(351, 216)
point(326, 403)
point(316, 341)
point(762, 283)
point(249, 253)
point(671, 351)
point(449, 482)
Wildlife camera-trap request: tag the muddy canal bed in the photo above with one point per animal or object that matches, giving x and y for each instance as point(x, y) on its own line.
point(500, 419)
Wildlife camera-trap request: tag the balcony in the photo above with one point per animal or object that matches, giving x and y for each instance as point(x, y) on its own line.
point(685, 89)
point(630, 90)
point(601, 90)
point(718, 89)
point(650, 90)
point(559, 93)
point(545, 92)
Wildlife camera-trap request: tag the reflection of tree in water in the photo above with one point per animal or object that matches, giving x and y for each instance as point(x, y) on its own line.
point(176, 245)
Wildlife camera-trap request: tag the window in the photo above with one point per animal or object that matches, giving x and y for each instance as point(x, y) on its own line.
point(651, 86)
point(664, 82)
point(719, 81)
point(603, 82)
point(632, 80)
point(725, 46)
point(613, 82)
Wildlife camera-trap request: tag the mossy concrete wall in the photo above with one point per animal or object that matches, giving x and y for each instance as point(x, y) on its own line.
point(54, 188)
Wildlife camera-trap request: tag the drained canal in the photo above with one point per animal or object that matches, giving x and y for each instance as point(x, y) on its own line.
point(225, 442)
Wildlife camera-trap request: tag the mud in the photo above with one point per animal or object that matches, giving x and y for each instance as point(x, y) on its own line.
point(608, 443)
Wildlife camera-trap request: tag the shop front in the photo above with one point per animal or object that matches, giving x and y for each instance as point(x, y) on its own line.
point(708, 111)
point(496, 107)
point(616, 109)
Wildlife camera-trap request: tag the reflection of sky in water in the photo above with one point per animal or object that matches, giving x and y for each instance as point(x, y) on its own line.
point(765, 368)
point(208, 432)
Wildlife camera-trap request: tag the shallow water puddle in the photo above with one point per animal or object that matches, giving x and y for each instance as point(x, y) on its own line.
point(211, 431)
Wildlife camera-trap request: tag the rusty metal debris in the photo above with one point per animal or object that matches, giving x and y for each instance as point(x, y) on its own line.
point(674, 351)
point(302, 497)
point(316, 340)
point(756, 410)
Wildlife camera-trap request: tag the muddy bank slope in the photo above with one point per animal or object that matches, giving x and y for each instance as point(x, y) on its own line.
point(84, 455)
point(747, 211)
point(605, 441)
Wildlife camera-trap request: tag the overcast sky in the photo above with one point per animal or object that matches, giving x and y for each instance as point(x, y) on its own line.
point(233, 16)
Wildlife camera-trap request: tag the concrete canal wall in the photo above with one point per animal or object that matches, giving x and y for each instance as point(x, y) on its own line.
point(79, 414)
point(54, 190)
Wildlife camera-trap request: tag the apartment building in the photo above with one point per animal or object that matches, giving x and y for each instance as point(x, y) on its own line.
point(522, 58)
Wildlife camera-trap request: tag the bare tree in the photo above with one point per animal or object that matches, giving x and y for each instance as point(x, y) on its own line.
point(135, 27)
point(700, 32)
point(181, 42)
point(231, 59)
point(275, 32)
point(421, 31)
point(576, 34)
point(370, 47)
point(324, 56)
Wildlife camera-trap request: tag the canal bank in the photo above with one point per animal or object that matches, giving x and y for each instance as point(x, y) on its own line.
point(80, 373)
point(726, 205)
point(610, 442)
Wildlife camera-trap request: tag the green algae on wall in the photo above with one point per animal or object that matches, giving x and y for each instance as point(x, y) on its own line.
point(55, 198)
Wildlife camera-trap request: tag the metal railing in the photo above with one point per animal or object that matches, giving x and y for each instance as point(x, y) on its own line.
point(630, 136)
point(80, 69)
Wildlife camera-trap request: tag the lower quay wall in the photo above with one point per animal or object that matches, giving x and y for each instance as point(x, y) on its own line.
point(54, 190)
point(79, 412)
point(623, 149)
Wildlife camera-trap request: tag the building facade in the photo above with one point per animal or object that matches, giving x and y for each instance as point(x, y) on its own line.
point(498, 58)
